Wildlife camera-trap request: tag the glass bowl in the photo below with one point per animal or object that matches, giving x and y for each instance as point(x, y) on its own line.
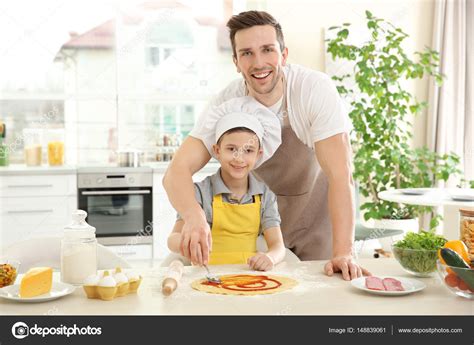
point(8, 271)
point(454, 279)
point(419, 262)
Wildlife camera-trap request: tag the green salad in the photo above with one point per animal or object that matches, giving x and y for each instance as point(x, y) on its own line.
point(417, 252)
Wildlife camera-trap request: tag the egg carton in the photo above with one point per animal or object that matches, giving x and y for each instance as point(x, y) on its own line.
point(108, 293)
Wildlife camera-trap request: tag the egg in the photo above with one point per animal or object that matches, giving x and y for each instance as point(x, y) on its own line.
point(92, 280)
point(133, 275)
point(120, 278)
point(107, 281)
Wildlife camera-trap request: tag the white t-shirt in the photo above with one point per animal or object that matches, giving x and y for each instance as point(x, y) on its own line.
point(315, 109)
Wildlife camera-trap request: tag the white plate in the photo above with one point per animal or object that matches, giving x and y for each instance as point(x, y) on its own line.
point(410, 286)
point(57, 290)
point(462, 194)
point(462, 197)
point(415, 191)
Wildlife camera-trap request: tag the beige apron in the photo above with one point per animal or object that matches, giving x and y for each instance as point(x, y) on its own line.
point(295, 176)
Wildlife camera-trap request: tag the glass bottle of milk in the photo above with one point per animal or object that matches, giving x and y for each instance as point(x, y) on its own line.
point(78, 250)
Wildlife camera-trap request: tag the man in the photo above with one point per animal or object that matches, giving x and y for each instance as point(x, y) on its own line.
point(311, 171)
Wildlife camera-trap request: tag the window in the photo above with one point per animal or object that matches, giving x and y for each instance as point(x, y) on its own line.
point(152, 56)
point(113, 76)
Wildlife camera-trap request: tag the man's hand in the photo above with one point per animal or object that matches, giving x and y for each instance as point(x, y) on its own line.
point(196, 240)
point(261, 262)
point(347, 266)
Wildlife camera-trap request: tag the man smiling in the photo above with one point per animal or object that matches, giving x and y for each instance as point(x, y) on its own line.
point(310, 172)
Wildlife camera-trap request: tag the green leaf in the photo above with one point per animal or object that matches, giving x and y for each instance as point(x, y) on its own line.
point(382, 111)
point(343, 33)
point(427, 240)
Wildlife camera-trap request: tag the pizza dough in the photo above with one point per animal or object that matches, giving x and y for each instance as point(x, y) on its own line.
point(245, 284)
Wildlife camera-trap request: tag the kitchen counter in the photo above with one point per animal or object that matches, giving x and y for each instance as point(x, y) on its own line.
point(316, 294)
point(23, 170)
point(160, 167)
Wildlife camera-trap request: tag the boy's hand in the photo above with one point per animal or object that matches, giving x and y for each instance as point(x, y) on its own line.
point(261, 262)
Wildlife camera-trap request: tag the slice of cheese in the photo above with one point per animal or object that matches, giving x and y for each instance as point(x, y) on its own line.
point(37, 281)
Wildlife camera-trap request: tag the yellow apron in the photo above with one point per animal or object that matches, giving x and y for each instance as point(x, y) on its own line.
point(234, 231)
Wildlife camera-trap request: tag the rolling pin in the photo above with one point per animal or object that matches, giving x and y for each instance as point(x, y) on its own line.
point(170, 283)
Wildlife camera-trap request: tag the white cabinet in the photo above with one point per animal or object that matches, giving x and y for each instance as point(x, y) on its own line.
point(133, 252)
point(38, 185)
point(164, 215)
point(35, 205)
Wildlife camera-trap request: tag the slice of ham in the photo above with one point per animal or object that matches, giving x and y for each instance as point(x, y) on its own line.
point(374, 283)
point(386, 284)
point(392, 284)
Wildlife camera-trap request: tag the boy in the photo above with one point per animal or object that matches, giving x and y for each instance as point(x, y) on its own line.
point(239, 207)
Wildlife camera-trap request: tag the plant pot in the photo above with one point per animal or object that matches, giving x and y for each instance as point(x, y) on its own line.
point(407, 225)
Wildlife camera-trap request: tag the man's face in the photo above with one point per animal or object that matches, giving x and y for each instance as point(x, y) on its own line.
point(259, 58)
point(238, 152)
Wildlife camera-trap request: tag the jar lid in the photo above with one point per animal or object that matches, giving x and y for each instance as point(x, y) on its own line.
point(79, 228)
point(467, 212)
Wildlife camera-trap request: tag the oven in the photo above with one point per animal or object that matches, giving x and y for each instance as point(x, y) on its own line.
point(119, 203)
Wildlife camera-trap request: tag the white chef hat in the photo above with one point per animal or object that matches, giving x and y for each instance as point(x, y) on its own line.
point(247, 112)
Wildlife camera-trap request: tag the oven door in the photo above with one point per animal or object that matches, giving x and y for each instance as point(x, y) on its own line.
point(118, 214)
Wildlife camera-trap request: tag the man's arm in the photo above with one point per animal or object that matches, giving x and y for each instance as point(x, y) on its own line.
point(191, 156)
point(174, 238)
point(335, 157)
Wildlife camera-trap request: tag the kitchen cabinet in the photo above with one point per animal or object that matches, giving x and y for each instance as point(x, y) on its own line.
point(39, 185)
point(39, 201)
point(35, 205)
point(133, 251)
point(164, 215)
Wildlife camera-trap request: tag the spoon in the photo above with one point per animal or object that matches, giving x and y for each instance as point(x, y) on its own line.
point(211, 277)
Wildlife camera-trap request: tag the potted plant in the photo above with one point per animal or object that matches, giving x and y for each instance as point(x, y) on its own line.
point(381, 110)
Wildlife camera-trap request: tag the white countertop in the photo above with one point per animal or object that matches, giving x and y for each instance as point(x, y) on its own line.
point(160, 167)
point(316, 294)
point(435, 197)
point(23, 170)
point(432, 197)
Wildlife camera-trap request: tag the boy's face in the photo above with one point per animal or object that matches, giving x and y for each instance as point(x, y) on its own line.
point(259, 58)
point(238, 152)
